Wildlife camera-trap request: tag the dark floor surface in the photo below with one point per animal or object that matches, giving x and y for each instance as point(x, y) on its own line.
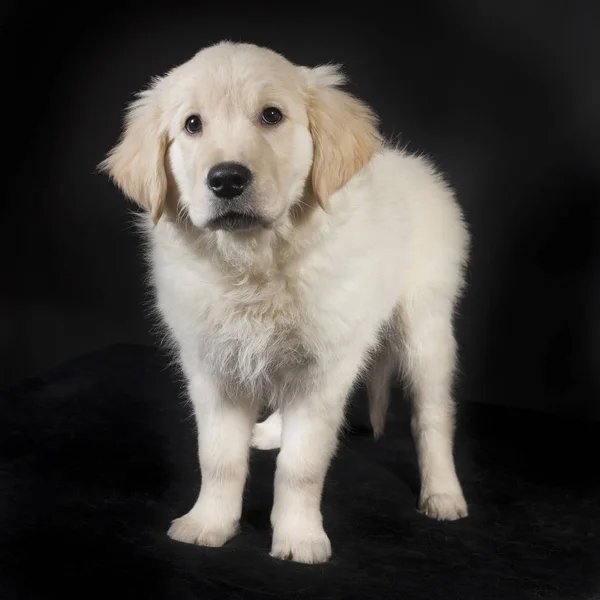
point(97, 457)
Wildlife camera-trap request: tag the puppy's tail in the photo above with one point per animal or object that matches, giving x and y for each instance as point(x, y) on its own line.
point(383, 369)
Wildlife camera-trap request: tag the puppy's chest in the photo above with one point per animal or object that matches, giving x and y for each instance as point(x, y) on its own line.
point(257, 334)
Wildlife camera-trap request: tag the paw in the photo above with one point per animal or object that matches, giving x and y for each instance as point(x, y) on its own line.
point(202, 532)
point(444, 507)
point(308, 545)
point(267, 435)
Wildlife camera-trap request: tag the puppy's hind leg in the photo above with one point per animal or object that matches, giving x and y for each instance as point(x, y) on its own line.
point(429, 364)
point(267, 435)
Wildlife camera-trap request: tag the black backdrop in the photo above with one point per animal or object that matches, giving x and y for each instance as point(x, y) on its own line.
point(504, 95)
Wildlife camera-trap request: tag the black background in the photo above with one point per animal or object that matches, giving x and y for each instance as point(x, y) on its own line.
point(504, 95)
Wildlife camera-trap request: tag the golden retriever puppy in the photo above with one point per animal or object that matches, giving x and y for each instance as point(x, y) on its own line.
point(292, 252)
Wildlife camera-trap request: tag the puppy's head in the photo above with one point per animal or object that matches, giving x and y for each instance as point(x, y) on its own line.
point(237, 136)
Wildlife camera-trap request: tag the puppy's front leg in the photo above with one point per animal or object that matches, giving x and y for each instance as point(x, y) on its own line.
point(310, 428)
point(224, 430)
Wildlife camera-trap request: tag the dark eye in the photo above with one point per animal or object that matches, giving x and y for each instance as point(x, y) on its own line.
point(193, 124)
point(271, 115)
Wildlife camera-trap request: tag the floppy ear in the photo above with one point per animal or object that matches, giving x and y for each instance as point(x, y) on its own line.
point(137, 163)
point(344, 131)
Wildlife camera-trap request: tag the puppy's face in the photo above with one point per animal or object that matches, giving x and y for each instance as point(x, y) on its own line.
point(241, 150)
point(236, 136)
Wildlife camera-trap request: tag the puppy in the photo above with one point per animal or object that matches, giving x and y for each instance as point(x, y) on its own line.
point(292, 251)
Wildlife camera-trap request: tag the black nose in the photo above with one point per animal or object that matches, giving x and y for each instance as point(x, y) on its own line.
point(228, 179)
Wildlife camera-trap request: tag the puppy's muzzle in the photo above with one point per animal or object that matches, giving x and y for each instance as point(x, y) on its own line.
point(233, 206)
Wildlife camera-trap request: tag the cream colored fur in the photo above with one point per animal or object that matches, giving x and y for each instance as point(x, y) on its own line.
point(355, 272)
